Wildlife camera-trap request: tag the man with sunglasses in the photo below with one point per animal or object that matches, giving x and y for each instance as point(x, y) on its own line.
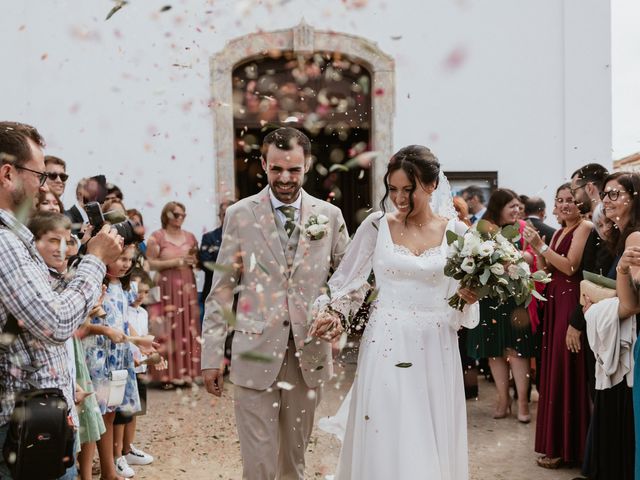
point(46, 319)
point(586, 184)
point(56, 169)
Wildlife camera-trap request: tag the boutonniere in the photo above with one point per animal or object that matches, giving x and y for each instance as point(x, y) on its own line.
point(316, 227)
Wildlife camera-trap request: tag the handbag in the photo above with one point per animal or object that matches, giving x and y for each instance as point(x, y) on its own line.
point(596, 287)
point(117, 384)
point(40, 438)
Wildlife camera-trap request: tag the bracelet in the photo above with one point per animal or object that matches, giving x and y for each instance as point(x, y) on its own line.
point(622, 271)
point(543, 248)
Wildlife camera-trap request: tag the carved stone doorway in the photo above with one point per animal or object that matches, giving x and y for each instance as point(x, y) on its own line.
point(337, 88)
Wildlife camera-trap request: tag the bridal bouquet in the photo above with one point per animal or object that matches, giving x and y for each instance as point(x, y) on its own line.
point(487, 261)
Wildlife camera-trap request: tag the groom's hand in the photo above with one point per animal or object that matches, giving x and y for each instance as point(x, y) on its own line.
point(213, 381)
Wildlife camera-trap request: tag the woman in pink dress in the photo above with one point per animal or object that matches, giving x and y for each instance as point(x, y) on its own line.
point(172, 252)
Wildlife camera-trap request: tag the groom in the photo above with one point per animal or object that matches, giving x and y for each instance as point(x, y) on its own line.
point(278, 265)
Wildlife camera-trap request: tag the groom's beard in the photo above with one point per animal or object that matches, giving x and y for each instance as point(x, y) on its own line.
point(289, 193)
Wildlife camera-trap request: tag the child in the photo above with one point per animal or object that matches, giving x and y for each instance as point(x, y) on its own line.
point(124, 433)
point(106, 354)
point(52, 232)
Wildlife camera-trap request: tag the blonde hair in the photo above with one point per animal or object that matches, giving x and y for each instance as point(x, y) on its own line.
point(166, 210)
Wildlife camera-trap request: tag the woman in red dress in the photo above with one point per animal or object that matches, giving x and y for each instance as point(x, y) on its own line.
point(563, 407)
point(172, 252)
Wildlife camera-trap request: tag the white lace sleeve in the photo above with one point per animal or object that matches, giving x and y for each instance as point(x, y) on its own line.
point(469, 317)
point(349, 283)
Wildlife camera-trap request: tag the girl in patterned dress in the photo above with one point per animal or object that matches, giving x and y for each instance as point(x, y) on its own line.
point(108, 350)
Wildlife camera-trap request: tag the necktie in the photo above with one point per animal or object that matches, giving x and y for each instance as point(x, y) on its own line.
point(290, 213)
point(473, 219)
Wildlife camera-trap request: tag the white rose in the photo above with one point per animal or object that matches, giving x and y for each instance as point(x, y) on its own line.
point(485, 249)
point(525, 267)
point(497, 269)
point(322, 219)
point(453, 249)
point(468, 265)
point(501, 239)
point(314, 230)
point(471, 245)
point(514, 271)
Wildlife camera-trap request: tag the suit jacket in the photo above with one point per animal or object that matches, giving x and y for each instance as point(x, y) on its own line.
point(274, 299)
point(209, 248)
point(543, 229)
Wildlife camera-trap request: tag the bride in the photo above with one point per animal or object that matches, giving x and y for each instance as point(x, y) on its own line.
point(407, 414)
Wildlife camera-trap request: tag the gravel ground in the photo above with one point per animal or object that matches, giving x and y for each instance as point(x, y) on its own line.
point(192, 436)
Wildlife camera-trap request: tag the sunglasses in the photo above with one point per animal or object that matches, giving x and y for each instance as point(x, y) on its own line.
point(53, 175)
point(612, 194)
point(178, 215)
point(43, 175)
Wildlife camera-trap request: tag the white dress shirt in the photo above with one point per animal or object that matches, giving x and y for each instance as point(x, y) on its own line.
point(478, 215)
point(275, 203)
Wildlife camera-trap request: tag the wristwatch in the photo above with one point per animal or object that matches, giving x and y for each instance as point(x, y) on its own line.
point(543, 248)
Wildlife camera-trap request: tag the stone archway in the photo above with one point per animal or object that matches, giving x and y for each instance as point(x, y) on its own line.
point(303, 39)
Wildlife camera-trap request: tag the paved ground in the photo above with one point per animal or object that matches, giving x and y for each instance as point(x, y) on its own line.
point(193, 437)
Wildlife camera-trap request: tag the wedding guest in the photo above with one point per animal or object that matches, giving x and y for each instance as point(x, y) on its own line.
point(210, 246)
point(113, 193)
point(563, 406)
point(469, 366)
point(523, 201)
point(114, 205)
point(535, 212)
point(621, 199)
point(124, 433)
point(172, 251)
point(47, 318)
point(49, 202)
point(51, 232)
point(136, 217)
point(462, 209)
point(107, 350)
point(586, 184)
point(76, 213)
point(57, 174)
point(611, 429)
point(474, 196)
point(504, 334)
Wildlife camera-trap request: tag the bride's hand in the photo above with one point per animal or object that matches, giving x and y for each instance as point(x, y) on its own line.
point(468, 295)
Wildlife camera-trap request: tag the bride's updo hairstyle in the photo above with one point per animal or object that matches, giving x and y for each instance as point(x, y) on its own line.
point(419, 164)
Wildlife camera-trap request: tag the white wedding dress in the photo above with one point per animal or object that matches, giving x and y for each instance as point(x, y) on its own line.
point(402, 423)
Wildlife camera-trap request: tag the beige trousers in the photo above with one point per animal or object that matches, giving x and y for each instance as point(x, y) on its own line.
point(274, 425)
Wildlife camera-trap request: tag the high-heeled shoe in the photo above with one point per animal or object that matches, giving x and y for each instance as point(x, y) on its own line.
point(523, 417)
point(507, 412)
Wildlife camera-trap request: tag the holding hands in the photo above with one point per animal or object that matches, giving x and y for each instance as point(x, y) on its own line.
point(327, 326)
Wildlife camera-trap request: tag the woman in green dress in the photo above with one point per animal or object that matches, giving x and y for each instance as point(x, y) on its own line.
point(504, 332)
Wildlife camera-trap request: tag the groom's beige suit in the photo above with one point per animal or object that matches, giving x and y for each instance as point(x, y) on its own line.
point(277, 375)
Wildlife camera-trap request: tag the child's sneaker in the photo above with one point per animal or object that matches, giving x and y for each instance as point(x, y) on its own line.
point(138, 457)
point(123, 469)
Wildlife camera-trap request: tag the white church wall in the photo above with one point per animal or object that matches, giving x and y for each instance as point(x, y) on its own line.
point(515, 86)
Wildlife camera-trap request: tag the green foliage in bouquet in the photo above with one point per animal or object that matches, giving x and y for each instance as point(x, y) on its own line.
point(486, 260)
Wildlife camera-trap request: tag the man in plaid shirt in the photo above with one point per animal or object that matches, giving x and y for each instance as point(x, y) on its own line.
point(47, 319)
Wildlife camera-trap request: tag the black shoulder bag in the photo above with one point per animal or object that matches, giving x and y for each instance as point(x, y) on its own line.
point(40, 440)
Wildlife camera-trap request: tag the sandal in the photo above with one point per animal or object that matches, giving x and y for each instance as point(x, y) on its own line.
point(546, 462)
